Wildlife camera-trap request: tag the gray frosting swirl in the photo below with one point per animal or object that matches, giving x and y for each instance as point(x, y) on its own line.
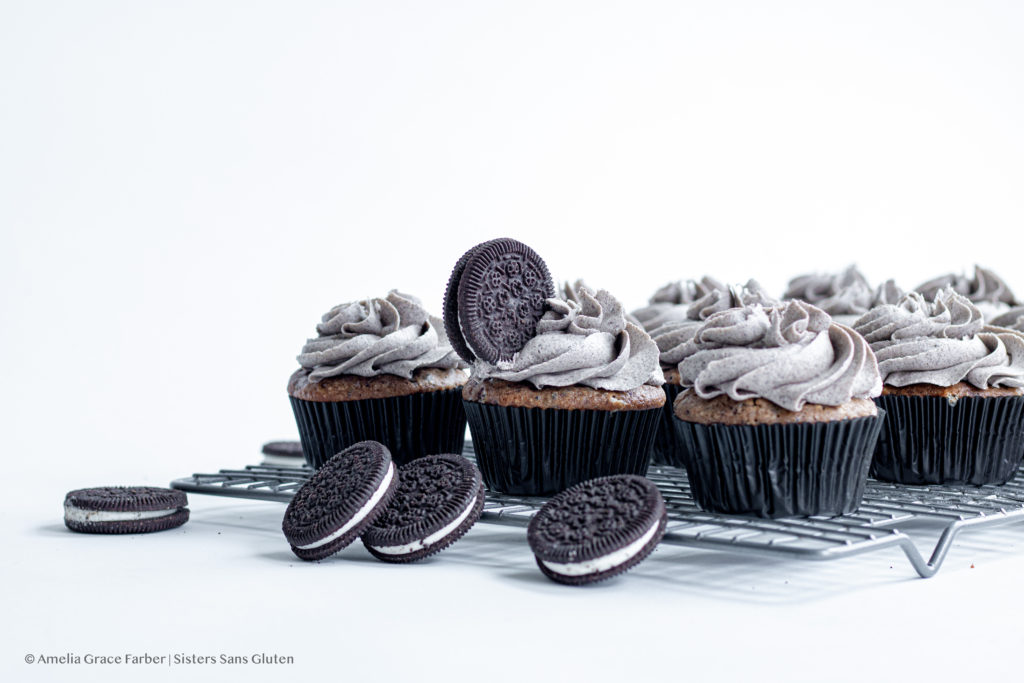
point(791, 354)
point(588, 343)
point(394, 335)
point(570, 291)
point(985, 286)
point(672, 301)
point(672, 334)
point(845, 293)
point(887, 293)
point(942, 342)
point(1012, 319)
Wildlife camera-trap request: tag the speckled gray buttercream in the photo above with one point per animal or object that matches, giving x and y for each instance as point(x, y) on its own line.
point(985, 286)
point(672, 333)
point(791, 354)
point(1012, 319)
point(942, 342)
point(394, 335)
point(588, 343)
point(671, 303)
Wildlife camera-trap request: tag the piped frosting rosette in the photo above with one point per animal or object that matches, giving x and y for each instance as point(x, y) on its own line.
point(671, 303)
point(394, 335)
point(671, 336)
point(587, 342)
point(1012, 319)
point(942, 342)
point(790, 354)
point(985, 286)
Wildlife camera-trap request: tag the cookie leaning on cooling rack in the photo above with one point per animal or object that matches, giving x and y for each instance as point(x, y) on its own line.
point(124, 510)
point(597, 529)
point(340, 501)
point(439, 498)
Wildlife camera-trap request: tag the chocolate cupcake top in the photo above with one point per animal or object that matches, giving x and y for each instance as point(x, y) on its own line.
point(394, 336)
point(984, 287)
point(942, 342)
point(588, 343)
point(672, 335)
point(672, 301)
point(1012, 319)
point(791, 354)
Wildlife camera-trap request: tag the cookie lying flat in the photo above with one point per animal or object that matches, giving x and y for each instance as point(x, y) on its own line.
point(338, 502)
point(439, 498)
point(283, 454)
point(124, 509)
point(597, 529)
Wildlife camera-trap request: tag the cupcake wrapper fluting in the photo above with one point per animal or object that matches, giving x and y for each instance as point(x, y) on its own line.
point(538, 451)
point(780, 470)
point(411, 426)
point(927, 440)
point(668, 446)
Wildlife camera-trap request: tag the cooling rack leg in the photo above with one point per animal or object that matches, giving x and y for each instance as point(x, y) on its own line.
point(925, 570)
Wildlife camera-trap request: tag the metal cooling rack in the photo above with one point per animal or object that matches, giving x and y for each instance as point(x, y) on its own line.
point(807, 538)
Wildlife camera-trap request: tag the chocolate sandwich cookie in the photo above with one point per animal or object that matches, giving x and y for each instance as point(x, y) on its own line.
point(283, 454)
point(124, 509)
point(340, 501)
point(597, 529)
point(439, 498)
point(494, 298)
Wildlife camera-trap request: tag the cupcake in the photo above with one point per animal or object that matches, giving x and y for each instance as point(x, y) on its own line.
point(672, 326)
point(559, 392)
point(776, 412)
point(379, 370)
point(986, 290)
point(845, 296)
point(953, 392)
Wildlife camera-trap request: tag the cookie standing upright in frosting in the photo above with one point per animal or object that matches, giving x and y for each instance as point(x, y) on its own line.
point(778, 395)
point(382, 370)
point(954, 391)
point(577, 398)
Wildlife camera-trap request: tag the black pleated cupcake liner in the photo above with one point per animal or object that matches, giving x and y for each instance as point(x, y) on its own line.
point(928, 440)
point(412, 426)
point(780, 470)
point(541, 451)
point(668, 447)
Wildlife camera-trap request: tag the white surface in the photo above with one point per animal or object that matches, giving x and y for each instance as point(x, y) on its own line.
point(186, 187)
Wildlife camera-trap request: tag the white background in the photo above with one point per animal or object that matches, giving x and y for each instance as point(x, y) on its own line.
point(185, 187)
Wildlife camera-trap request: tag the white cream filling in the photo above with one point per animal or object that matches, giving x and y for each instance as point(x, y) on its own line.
point(605, 562)
point(429, 540)
point(74, 513)
point(359, 516)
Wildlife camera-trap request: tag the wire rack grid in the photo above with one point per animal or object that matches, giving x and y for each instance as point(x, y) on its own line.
point(874, 527)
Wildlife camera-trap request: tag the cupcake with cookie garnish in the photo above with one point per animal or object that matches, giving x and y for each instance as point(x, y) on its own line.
point(954, 392)
point(560, 391)
point(776, 412)
point(986, 290)
point(382, 370)
point(672, 328)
